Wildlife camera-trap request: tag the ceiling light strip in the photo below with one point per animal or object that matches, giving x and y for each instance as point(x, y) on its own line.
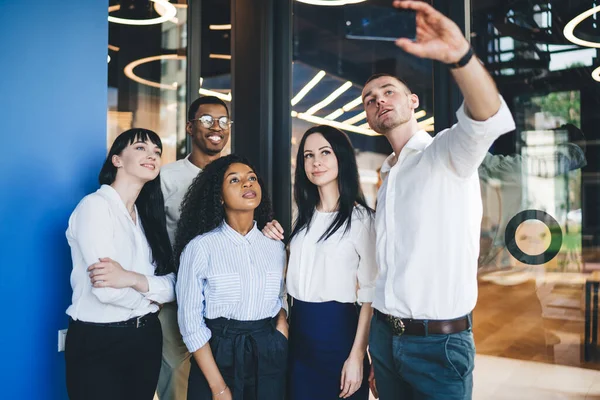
point(329, 99)
point(335, 114)
point(340, 125)
point(222, 96)
point(352, 104)
point(311, 84)
point(425, 122)
point(330, 2)
point(420, 114)
point(217, 27)
point(357, 118)
point(220, 56)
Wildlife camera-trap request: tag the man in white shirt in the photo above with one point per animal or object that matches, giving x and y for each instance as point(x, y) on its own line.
point(209, 127)
point(428, 219)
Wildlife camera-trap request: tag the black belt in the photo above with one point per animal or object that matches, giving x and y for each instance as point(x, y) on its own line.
point(135, 322)
point(424, 327)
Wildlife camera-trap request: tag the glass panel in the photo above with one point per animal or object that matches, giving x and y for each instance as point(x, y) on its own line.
point(333, 57)
point(147, 71)
point(540, 230)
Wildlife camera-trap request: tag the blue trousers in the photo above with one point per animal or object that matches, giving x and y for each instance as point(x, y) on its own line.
point(422, 367)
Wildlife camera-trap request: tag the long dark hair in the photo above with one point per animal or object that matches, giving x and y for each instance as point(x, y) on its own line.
point(306, 193)
point(150, 202)
point(202, 208)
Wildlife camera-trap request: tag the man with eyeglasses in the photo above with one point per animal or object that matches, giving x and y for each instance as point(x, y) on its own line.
point(208, 126)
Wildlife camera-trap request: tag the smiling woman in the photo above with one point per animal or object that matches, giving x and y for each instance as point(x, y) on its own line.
point(115, 283)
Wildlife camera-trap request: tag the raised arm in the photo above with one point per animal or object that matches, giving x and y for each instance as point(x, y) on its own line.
point(484, 115)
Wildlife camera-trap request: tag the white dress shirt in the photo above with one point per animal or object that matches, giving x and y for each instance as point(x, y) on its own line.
point(175, 180)
point(428, 220)
point(342, 268)
point(100, 227)
point(225, 274)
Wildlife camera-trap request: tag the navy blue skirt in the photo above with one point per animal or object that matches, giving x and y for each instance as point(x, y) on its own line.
point(321, 337)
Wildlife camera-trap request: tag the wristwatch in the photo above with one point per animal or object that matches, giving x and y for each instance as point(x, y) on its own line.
point(463, 61)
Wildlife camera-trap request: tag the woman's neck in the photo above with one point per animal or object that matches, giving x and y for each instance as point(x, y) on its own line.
point(128, 191)
point(241, 221)
point(329, 197)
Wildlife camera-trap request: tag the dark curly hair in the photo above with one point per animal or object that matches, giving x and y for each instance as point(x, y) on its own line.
point(202, 209)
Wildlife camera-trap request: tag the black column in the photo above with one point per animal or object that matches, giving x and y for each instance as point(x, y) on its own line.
point(282, 108)
point(194, 55)
point(260, 83)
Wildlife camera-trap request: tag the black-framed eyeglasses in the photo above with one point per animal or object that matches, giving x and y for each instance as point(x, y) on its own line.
point(208, 121)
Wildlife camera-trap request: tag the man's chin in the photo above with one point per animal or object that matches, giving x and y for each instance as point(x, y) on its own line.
point(212, 152)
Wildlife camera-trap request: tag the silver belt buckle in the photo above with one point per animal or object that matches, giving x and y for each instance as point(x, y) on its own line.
point(137, 321)
point(398, 326)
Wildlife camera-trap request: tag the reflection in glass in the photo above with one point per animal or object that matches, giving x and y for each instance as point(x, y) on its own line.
point(147, 73)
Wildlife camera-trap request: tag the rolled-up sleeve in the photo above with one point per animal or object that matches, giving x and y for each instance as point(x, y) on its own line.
point(92, 228)
point(463, 146)
point(283, 288)
point(161, 289)
point(191, 282)
point(367, 266)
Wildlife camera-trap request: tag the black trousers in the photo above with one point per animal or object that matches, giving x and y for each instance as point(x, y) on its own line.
point(113, 363)
point(251, 356)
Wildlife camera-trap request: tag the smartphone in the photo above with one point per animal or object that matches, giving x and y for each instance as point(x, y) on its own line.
point(377, 21)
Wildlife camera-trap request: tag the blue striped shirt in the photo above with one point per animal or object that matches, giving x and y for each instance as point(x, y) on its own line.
point(225, 274)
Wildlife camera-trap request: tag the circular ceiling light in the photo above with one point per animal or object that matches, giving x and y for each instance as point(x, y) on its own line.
point(160, 10)
point(570, 28)
point(170, 12)
point(596, 74)
point(330, 2)
point(131, 75)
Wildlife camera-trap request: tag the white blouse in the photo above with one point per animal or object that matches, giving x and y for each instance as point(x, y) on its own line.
point(341, 268)
point(99, 227)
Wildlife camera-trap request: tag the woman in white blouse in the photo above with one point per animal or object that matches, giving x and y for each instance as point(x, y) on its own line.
point(331, 269)
point(122, 272)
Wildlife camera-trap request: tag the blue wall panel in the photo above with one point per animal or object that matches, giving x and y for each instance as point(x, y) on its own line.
point(53, 129)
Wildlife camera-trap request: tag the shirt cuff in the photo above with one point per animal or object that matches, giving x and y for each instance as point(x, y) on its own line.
point(284, 305)
point(366, 295)
point(161, 289)
point(198, 339)
point(496, 125)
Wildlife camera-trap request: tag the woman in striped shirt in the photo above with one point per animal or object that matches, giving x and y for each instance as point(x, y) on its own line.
point(230, 287)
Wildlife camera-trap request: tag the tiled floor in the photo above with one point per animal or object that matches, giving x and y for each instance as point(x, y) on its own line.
point(497, 378)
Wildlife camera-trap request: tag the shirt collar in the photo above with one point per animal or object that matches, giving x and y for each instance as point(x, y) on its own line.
point(418, 142)
point(109, 193)
point(238, 238)
point(190, 165)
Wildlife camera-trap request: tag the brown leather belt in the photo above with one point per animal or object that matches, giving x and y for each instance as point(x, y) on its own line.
point(423, 327)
